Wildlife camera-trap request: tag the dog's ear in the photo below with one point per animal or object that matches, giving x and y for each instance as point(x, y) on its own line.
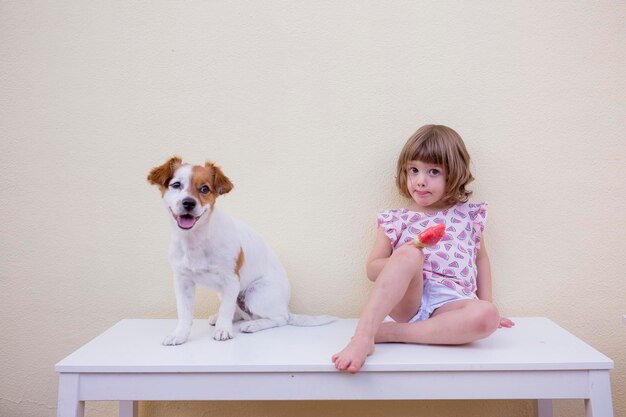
point(162, 174)
point(221, 183)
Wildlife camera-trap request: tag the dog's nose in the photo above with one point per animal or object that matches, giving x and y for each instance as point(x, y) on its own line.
point(189, 203)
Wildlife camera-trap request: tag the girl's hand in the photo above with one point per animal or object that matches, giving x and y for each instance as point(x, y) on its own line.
point(506, 322)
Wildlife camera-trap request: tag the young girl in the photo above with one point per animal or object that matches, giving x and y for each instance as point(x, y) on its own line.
point(439, 294)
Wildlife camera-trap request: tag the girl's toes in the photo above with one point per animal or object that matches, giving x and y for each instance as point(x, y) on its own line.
point(343, 365)
point(355, 366)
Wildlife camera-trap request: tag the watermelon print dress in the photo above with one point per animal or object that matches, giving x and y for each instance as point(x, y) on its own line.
point(449, 266)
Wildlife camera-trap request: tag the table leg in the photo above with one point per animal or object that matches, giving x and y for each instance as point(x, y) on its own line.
point(69, 404)
point(599, 403)
point(128, 408)
point(545, 408)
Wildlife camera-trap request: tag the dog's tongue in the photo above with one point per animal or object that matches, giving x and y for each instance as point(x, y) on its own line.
point(186, 221)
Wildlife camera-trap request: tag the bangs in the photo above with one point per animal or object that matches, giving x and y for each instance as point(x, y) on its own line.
point(429, 149)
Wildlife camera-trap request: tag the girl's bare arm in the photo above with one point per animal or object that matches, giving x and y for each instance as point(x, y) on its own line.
point(379, 255)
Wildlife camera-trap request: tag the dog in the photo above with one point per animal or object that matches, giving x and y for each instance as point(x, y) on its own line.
point(213, 249)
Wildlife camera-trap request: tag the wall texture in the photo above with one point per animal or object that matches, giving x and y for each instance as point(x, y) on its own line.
point(305, 105)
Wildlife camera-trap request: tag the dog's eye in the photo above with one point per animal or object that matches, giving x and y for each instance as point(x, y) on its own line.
point(175, 185)
point(204, 189)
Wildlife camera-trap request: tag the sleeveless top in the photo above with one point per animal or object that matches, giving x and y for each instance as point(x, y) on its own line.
point(451, 262)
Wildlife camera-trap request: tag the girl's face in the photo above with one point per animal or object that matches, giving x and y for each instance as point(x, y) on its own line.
point(427, 185)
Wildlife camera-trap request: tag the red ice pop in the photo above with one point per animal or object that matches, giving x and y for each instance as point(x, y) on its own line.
point(430, 236)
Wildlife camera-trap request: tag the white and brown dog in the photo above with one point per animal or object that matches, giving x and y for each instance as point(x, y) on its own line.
point(213, 249)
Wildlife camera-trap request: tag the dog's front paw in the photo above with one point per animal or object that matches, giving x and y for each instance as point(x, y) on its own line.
point(223, 333)
point(213, 319)
point(173, 340)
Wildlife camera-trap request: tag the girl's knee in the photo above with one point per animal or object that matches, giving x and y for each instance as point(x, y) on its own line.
point(408, 255)
point(486, 318)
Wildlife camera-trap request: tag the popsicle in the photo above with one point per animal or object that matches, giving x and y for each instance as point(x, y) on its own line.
point(430, 236)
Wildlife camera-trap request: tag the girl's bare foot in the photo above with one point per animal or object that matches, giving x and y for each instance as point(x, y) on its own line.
point(353, 356)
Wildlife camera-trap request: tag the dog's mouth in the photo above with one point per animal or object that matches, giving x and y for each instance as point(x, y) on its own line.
point(186, 221)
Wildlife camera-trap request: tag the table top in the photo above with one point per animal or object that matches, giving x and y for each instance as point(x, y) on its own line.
point(134, 346)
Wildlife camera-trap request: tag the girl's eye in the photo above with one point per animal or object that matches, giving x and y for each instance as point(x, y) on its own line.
point(433, 172)
point(175, 185)
point(204, 189)
point(413, 170)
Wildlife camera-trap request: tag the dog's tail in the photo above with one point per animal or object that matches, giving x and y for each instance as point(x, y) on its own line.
point(306, 320)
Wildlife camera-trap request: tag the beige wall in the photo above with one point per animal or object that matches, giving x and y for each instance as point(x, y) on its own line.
point(305, 105)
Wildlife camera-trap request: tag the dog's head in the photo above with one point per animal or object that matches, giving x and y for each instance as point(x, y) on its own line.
point(189, 191)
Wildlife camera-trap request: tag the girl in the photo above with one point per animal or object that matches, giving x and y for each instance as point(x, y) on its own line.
point(439, 294)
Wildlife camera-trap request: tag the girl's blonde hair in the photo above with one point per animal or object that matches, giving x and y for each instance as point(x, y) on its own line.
point(440, 145)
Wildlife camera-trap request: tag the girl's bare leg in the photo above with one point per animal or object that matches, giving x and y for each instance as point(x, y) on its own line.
point(455, 323)
point(403, 270)
point(409, 304)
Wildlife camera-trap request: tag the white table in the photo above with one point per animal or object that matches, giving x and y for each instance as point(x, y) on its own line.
point(534, 360)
